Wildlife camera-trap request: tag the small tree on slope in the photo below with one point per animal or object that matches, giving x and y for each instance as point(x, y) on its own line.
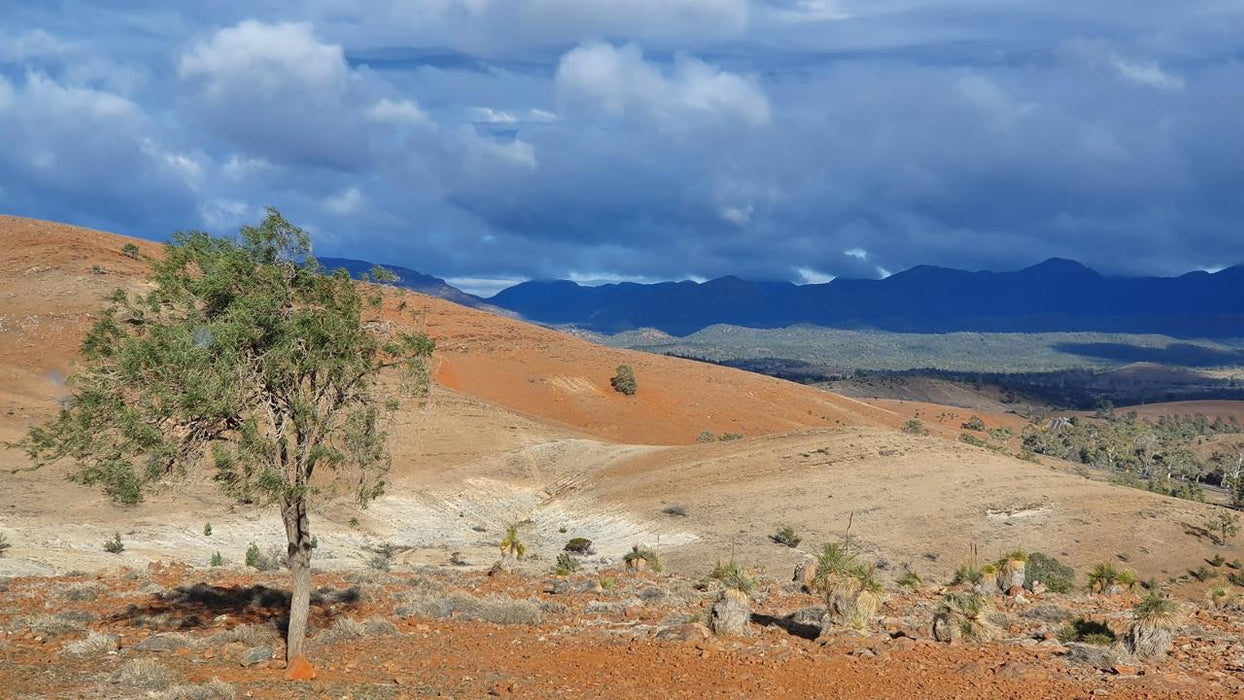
point(247, 349)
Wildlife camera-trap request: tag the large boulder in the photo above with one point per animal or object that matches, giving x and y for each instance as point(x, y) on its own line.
point(730, 615)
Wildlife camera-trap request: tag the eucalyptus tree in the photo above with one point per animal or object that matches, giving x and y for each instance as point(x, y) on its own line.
point(245, 358)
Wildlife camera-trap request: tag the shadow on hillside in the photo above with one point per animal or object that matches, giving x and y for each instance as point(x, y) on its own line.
point(198, 605)
point(798, 629)
point(1176, 354)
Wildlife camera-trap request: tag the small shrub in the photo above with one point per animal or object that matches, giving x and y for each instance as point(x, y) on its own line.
point(207, 530)
point(346, 629)
point(145, 673)
point(675, 510)
point(130, 250)
point(624, 381)
point(706, 436)
point(1087, 632)
point(50, 625)
point(4, 544)
point(214, 689)
point(968, 573)
point(217, 560)
point(579, 545)
point(914, 426)
point(910, 580)
point(511, 545)
point(787, 537)
point(1154, 620)
point(640, 558)
point(728, 437)
point(95, 644)
point(495, 609)
point(1000, 434)
point(974, 423)
point(1217, 561)
point(971, 440)
point(81, 592)
point(114, 545)
point(383, 558)
point(1202, 573)
point(965, 615)
point(253, 556)
point(566, 564)
point(1054, 575)
point(1223, 526)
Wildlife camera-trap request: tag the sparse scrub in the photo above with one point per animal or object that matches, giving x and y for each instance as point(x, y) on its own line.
point(579, 545)
point(706, 436)
point(1000, 434)
point(1055, 576)
point(566, 564)
point(730, 615)
point(130, 250)
point(1223, 526)
point(642, 558)
point(145, 673)
point(114, 545)
point(382, 560)
point(1217, 561)
point(852, 592)
point(94, 644)
point(623, 381)
point(1105, 579)
point(971, 440)
point(81, 592)
point(967, 574)
point(974, 423)
point(915, 426)
point(214, 689)
point(495, 609)
point(50, 625)
point(1086, 631)
point(963, 616)
point(787, 537)
point(247, 635)
point(1154, 621)
point(218, 559)
point(909, 580)
point(729, 437)
point(344, 629)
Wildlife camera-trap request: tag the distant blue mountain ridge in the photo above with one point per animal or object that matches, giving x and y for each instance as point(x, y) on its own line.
point(1055, 295)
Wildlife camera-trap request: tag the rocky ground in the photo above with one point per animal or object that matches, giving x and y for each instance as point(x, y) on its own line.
point(176, 632)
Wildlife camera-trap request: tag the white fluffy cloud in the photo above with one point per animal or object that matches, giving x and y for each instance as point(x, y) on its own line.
point(616, 80)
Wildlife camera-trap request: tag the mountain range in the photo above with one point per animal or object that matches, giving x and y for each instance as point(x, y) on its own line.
point(1055, 295)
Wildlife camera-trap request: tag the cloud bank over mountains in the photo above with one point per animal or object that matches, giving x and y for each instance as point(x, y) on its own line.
point(492, 140)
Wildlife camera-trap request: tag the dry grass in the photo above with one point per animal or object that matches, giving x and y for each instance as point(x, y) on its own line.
point(50, 625)
point(345, 629)
point(214, 689)
point(82, 592)
point(249, 635)
point(495, 609)
point(145, 673)
point(94, 644)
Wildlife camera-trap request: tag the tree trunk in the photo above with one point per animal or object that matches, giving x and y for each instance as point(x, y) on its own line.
point(297, 531)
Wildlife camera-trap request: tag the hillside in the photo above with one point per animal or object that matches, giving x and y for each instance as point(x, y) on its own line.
point(1055, 295)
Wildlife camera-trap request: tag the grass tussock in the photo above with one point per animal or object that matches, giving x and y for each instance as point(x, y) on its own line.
point(463, 606)
point(82, 592)
point(214, 689)
point(94, 644)
point(50, 625)
point(347, 629)
point(248, 635)
point(145, 673)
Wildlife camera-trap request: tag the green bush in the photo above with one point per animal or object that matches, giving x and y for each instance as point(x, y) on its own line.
point(727, 437)
point(4, 544)
point(706, 436)
point(624, 381)
point(915, 427)
point(130, 250)
point(253, 556)
point(971, 440)
point(566, 564)
point(579, 545)
point(1087, 632)
point(974, 423)
point(909, 579)
point(207, 530)
point(218, 559)
point(114, 545)
point(787, 537)
point(1057, 577)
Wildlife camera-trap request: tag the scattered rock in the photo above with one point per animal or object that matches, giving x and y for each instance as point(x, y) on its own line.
point(256, 655)
point(300, 669)
point(169, 642)
point(686, 632)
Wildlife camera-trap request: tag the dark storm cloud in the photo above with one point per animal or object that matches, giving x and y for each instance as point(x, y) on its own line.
point(488, 141)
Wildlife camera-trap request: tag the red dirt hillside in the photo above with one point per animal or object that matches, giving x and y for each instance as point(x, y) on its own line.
point(53, 276)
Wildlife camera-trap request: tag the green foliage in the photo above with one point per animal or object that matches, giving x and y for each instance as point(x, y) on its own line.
point(971, 439)
point(1155, 608)
point(253, 556)
point(1104, 576)
point(217, 559)
point(1223, 526)
point(1218, 560)
point(974, 423)
point(511, 545)
point(382, 560)
point(909, 579)
point(207, 530)
point(734, 577)
point(566, 564)
point(1001, 434)
point(1057, 577)
point(914, 426)
point(727, 437)
point(243, 347)
point(624, 381)
point(640, 553)
point(4, 545)
point(579, 545)
point(787, 537)
point(130, 250)
point(1202, 573)
point(967, 573)
point(706, 436)
point(114, 545)
point(1086, 631)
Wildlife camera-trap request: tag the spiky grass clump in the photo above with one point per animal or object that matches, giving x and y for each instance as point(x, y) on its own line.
point(963, 615)
point(967, 574)
point(512, 546)
point(734, 577)
point(94, 644)
point(1105, 579)
point(641, 558)
point(1154, 621)
point(566, 564)
point(145, 673)
point(910, 580)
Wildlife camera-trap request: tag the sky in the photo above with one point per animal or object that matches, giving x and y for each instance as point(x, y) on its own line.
point(492, 141)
